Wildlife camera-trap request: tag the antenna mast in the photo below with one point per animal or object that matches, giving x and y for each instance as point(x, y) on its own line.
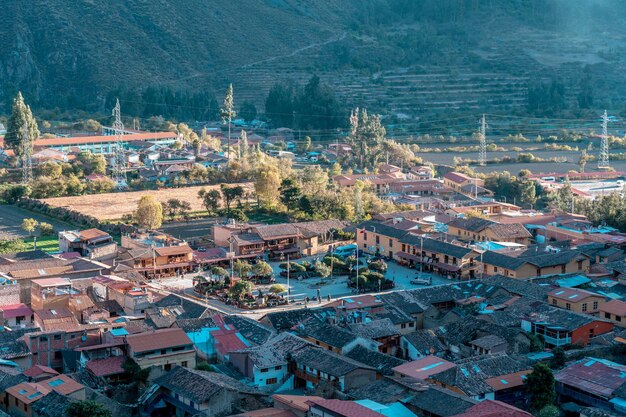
point(603, 159)
point(26, 148)
point(119, 163)
point(482, 152)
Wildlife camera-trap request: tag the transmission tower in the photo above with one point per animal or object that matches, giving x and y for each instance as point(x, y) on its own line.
point(482, 152)
point(119, 163)
point(603, 159)
point(26, 149)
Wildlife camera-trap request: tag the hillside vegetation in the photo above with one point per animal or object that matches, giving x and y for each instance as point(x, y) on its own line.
point(403, 56)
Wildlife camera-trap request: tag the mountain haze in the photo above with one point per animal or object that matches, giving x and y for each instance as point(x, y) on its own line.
point(405, 56)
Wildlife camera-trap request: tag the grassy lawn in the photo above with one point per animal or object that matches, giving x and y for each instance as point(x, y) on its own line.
point(268, 218)
point(45, 243)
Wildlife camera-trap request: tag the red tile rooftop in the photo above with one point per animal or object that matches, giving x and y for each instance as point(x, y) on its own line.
point(12, 311)
point(345, 408)
point(424, 368)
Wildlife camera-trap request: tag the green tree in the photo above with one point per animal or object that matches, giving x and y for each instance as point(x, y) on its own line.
point(175, 206)
point(582, 160)
point(231, 194)
point(540, 384)
point(228, 112)
point(262, 268)
point(219, 272)
point(366, 137)
point(210, 200)
point(240, 289)
point(134, 371)
point(29, 225)
point(267, 185)
point(22, 128)
point(277, 288)
point(248, 111)
point(149, 214)
point(558, 358)
point(316, 106)
point(322, 269)
point(50, 169)
point(12, 245)
point(206, 367)
point(279, 105)
point(13, 193)
point(290, 193)
point(87, 408)
point(549, 411)
point(46, 229)
point(242, 268)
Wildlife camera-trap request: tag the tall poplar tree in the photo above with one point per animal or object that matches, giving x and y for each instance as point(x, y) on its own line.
point(21, 120)
point(228, 111)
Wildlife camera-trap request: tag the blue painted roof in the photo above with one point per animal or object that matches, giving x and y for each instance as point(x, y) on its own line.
point(119, 332)
point(574, 281)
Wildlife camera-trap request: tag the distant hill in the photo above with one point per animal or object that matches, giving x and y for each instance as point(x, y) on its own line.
point(409, 57)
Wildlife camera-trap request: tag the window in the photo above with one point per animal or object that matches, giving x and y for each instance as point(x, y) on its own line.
point(568, 306)
point(403, 326)
point(364, 236)
point(57, 337)
point(554, 302)
point(403, 247)
point(411, 324)
point(271, 381)
point(57, 354)
point(264, 370)
point(618, 318)
point(495, 269)
point(562, 269)
point(278, 368)
point(595, 305)
point(580, 265)
point(43, 339)
point(607, 315)
point(377, 239)
point(584, 307)
point(390, 243)
point(183, 364)
point(167, 367)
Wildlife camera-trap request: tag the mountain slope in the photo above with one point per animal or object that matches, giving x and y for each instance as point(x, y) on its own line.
point(405, 56)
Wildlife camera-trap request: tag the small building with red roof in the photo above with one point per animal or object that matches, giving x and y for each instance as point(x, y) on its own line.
point(16, 315)
point(615, 311)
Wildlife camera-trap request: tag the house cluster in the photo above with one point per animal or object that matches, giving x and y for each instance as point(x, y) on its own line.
point(77, 328)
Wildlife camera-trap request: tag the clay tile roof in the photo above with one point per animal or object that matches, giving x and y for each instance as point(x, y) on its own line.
point(456, 177)
point(92, 234)
point(62, 384)
point(346, 408)
point(37, 370)
point(158, 339)
point(28, 392)
point(273, 231)
point(615, 307)
point(299, 402)
point(14, 310)
point(106, 366)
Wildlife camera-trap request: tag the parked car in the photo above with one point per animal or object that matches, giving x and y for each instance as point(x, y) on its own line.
point(422, 280)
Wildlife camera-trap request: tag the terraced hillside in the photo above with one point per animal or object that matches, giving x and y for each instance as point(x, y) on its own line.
point(407, 58)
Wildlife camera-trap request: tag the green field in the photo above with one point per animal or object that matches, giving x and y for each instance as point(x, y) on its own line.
point(45, 243)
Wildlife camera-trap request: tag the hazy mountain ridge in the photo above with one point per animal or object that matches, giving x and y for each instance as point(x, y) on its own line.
point(70, 54)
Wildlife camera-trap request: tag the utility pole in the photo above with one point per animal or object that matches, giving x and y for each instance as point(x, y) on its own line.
point(119, 164)
point(482, 152)
point(27, 155)
point(603, 159)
